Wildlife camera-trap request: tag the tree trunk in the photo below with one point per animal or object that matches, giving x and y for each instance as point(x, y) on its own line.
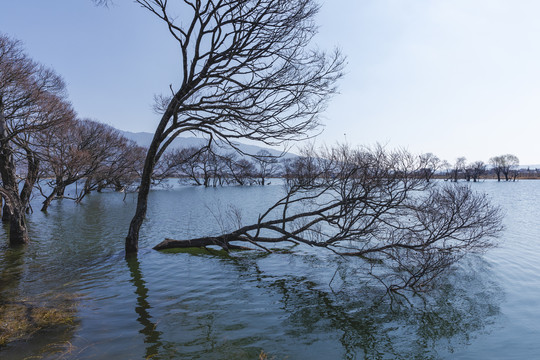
point(100, 186)
point(18, 233)
point(31, 177)
point(221, 241)
point(132, 238)
point(118, 187)
point(60, 188)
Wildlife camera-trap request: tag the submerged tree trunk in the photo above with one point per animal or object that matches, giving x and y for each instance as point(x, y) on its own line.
point(132, 238)
point(49, 199)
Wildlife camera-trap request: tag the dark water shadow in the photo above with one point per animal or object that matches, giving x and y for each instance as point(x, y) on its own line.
point(152, 337)
point(11, 271)
point(36, 325)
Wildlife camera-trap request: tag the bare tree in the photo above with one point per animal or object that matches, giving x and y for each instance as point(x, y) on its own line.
point(246, 73)
point(372, 204)
point(511, 162)
point(503, 164)
point(267, 165)
point(32, 100)
point(433, 163)
point(476, 169)
point(459, 168)
point(497, 162)
point(240, 170)
point(181, 162)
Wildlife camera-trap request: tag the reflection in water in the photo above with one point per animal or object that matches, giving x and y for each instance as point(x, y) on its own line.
point(212, 305)
point(371, 325)
point(152, 336)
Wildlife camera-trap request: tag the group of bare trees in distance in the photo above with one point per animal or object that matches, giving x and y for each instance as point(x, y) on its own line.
point(209, 166)
point(506, 165)
point(43, 143)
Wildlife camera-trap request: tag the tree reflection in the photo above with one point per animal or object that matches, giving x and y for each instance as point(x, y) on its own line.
point(354, 318)
point(11, 270)
point(369, 324)
point(152, 336)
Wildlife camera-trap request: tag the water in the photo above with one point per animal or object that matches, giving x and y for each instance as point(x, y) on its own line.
point(200, 305)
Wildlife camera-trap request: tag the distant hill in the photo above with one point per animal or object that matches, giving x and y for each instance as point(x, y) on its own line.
point(144, 139)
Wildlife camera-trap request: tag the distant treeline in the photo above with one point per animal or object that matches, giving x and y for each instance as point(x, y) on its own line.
point(502, 167)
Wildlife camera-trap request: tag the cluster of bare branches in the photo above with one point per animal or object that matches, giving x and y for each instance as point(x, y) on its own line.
point(373, 204)
point(208, 166)
point(91, 151)
point(32, 100)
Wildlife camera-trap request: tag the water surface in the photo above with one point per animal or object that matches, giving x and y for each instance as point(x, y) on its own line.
point(201, 305)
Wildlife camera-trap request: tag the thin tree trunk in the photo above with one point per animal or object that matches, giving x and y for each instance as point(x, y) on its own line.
point(31, 177)
point(49, 199)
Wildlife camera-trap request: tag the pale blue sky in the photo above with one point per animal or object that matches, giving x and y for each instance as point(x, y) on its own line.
point(454, 77)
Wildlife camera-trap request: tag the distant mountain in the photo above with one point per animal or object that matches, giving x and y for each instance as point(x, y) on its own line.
point(144, 139)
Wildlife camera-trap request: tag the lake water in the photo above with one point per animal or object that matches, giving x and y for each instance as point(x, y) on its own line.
point(200, 305)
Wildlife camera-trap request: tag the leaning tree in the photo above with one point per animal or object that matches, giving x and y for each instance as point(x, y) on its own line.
point(246, 71)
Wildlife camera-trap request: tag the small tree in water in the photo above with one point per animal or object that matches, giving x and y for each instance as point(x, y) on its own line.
point(375, 205)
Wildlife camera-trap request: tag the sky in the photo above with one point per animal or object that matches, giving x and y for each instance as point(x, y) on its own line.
point(457, 78)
